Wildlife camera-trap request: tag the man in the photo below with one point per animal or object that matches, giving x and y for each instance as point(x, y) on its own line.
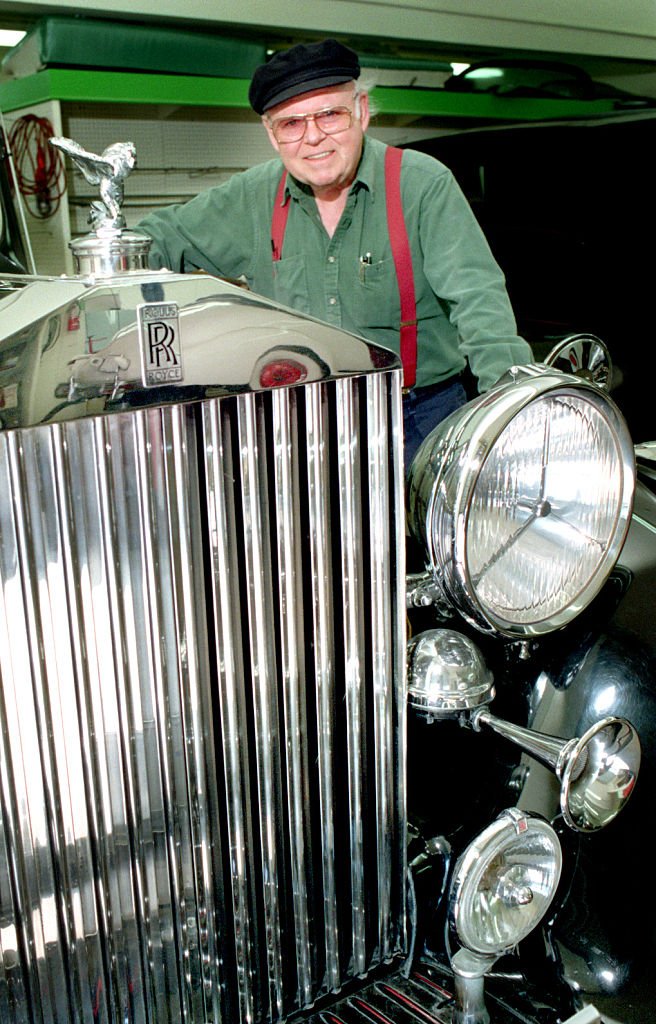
point(334, 260)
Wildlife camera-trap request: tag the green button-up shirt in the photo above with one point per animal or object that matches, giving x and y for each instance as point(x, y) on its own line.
point(349, 280)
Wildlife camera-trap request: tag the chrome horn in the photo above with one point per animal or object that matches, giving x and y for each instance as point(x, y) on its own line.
point(447, 678)
point(597, 771)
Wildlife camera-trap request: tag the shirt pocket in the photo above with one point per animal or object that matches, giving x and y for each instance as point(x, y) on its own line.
point(377, 302)
point(290, 283)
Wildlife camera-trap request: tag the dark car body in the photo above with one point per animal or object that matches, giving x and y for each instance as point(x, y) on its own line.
point(598, 943)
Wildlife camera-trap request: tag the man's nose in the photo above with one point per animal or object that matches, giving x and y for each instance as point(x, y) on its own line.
point(313, 132)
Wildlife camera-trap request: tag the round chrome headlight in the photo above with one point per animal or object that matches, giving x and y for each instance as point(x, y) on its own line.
point(523, 501)
point(504, 883)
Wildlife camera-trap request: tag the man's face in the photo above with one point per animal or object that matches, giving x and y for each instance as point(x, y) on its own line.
point(324, 162)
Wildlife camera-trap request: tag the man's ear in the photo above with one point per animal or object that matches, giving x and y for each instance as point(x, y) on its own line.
point(272, 138)
point(363, 100)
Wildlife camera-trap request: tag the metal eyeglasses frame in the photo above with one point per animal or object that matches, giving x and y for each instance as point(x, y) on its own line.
point(274, 123)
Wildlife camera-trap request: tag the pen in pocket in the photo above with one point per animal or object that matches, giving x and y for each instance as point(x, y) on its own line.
point(365, 261)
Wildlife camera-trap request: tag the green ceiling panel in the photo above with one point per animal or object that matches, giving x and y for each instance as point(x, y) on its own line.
point(81, 86)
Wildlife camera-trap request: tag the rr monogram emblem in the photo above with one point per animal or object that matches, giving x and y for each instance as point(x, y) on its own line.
point(159, 339)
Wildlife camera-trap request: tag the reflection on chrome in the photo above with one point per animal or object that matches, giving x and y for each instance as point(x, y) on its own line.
point(79, 343)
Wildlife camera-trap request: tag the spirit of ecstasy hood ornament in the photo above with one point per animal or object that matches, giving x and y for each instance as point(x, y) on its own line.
point(108, 170)
point(110, 248)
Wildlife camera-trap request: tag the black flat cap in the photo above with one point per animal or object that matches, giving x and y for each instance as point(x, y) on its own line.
point(301, 69)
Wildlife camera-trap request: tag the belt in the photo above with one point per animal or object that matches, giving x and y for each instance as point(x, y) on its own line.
point(433, 389)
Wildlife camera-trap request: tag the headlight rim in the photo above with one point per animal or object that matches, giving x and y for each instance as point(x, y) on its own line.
point(467, 439)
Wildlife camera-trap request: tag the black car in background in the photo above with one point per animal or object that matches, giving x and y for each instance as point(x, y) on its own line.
point(568, 209)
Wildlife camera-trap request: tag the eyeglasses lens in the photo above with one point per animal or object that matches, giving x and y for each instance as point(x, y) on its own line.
point(330, 121)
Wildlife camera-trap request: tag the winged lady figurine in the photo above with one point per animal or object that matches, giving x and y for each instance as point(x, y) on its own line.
point(108, 170)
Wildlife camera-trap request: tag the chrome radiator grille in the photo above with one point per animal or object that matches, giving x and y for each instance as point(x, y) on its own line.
point(201, 716)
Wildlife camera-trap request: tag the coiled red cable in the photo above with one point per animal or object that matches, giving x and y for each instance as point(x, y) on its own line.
point(39, 167)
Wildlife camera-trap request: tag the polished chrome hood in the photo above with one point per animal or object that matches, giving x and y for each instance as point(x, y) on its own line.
point(77, 346)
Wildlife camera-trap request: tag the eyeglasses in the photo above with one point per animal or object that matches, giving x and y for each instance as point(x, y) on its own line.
point(330, 121)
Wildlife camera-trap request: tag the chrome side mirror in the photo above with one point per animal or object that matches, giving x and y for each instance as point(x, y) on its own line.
point(448, 678)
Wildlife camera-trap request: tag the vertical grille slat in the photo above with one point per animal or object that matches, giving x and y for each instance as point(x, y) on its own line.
point(193, 798)
point(201, 709)
point(83, 488)
point(382, 668)
point(264, 669)
point(28, 838)
point(350, 526)
point(293, 674)
point(396, 693)
point(231, 675)
point(322, 583)
point(147, 710)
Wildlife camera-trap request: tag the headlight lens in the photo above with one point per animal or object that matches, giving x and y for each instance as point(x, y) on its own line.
point(523, 501)
point(504, 883)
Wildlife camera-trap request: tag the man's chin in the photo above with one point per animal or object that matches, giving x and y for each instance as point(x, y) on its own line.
point(322, 177)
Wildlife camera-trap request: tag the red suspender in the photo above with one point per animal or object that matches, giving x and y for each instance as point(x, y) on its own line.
point(403, 263)
point(279, 218)
point(400, 246)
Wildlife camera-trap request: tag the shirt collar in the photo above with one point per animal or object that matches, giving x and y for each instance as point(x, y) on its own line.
point(366, 175)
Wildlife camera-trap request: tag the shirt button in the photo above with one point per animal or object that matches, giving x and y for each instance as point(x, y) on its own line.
point(331, 259)
point(332, 300)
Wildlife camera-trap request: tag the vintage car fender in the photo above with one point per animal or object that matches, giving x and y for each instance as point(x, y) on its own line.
point(596, 946)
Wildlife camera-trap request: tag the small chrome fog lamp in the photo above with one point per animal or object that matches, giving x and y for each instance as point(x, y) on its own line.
point(522, 500)
point(448, 678)
point(502, 887)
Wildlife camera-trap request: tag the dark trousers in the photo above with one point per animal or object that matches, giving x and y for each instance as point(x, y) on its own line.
point(424, 408)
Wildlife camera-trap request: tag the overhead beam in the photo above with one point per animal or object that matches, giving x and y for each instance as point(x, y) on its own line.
point(184, 90)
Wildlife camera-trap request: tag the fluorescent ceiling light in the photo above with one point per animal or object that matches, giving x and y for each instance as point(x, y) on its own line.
point(487, 72)
point(8, 37)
